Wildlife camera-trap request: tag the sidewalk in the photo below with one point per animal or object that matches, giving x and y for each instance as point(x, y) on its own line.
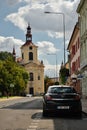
point(84, 105)
point(9, 98)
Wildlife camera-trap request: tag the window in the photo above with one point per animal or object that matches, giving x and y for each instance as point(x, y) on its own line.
point(31, 77)
point(73, 66)
point(30, 56)
point(73, 49)
point(76, 65)
point(38, 77)
point(78, 61)
point(61, 90)
point(22, 55)
point(78, 43)
point(30, 47)
point(76, 46)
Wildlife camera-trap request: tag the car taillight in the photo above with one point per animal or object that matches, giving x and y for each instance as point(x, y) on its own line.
point(48, 97)
point(77, 97)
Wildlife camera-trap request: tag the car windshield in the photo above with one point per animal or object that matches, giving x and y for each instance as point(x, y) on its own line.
point(61, 90)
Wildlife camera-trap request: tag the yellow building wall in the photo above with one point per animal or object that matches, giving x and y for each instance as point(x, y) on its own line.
point(25, 50)
point(34, 66)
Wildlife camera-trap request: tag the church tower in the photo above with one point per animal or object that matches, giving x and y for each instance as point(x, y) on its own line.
point(28, 35)
point(34, 67)
point(14, 53)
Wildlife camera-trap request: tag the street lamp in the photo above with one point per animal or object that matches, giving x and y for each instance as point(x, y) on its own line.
point(56, 62)
point(60, 13)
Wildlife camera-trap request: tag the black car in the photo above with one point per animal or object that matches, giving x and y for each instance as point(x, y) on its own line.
point(61, 98)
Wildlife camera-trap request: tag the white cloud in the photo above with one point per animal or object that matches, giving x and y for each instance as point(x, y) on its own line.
point(67, 42)
point(50, 70)
point(7, 43)
point(46, 47)
point(55, 34)
point(19, 19)
point(34, 13)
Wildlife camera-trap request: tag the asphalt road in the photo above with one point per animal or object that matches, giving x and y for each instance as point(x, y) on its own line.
point(26, 114)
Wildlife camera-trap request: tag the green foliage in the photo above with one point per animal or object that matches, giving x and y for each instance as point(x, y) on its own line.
point(48, 82)
point(12, 73)
point(56, 83)
point(64, 73)
point(6, 55)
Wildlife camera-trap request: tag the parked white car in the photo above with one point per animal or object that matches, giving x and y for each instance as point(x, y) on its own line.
point(28, 95)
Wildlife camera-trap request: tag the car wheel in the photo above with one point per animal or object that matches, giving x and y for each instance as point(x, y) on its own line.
point(45, 113)
point(79, 115)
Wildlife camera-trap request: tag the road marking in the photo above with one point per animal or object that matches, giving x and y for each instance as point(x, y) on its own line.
point(36, 120)
point(34, 123)
point(33, 126)
point(31, 129)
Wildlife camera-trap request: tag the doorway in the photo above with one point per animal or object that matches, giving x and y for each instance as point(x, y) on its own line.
point(31, 90)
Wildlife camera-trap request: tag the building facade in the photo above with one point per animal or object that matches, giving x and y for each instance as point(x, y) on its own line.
point(82, 11)
point(34, 67)
point(74, 58)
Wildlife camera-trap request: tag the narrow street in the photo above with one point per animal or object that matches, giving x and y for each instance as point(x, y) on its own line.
point(26, 114)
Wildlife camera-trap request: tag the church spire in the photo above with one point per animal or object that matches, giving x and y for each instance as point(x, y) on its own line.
point(14, 53)
point(28, 35)
point(62, 65)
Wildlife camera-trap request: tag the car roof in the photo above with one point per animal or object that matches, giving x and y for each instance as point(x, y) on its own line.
point(60, 86)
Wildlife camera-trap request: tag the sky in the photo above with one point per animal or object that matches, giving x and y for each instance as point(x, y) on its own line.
point(47, 29)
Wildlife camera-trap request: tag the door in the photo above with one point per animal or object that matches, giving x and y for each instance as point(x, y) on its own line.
point(31, 91)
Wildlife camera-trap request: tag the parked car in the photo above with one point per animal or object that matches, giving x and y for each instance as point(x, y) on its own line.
point(28, 95)
point(60, 98)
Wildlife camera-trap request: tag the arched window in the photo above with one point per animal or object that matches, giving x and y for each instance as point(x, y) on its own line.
point(22, 55)
point(31, 76)
point(30, 56)
point(38, 77)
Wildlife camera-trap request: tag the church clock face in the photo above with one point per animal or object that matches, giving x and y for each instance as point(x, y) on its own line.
point(29, 35)
point(29, 38)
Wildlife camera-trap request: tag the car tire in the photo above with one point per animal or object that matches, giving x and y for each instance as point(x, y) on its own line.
point(79, 115)
point(45, 113)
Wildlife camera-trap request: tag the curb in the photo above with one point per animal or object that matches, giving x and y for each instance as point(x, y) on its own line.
point(9, 98)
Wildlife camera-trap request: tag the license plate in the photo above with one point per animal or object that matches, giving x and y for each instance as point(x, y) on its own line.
point(63, 107)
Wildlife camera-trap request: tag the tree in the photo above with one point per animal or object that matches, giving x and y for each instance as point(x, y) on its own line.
point(47, 82)
point(20, 79)
point(64, 73)
point(57, 83)
point(6, 55)
point(12, 73)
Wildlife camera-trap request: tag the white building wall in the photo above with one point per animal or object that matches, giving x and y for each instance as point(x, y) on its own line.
point(82, 10)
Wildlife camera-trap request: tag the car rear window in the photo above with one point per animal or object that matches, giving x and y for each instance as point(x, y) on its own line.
point(61, 90)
